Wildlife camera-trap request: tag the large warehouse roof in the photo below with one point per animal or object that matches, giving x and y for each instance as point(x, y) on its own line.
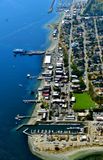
point(47, 59)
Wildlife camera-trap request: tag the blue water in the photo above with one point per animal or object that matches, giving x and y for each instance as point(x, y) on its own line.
point(21, 26)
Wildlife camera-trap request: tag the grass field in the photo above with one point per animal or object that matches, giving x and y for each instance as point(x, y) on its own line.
point(83, 101)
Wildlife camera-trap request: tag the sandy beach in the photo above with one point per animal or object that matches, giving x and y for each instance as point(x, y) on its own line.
point(71, 154)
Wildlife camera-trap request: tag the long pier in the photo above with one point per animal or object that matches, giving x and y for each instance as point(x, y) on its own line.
point(29, 53)
point(51, 7)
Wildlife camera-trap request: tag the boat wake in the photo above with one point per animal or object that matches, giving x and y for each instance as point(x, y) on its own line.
point(25, 27)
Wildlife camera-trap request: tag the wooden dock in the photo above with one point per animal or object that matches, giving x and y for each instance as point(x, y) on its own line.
point(31, 101)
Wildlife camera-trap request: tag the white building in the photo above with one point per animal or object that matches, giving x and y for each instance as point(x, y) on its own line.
point(47, 59)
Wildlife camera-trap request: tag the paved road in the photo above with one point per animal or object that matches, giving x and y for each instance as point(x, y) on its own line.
point(100, 53)
point(69, 55)
point(86, 58)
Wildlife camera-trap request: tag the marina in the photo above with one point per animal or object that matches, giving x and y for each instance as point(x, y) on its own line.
point(71, 128)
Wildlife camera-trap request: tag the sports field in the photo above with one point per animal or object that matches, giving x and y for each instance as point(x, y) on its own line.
point(83, 101)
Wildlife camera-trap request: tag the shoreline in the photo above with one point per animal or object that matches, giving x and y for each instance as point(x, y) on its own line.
point(49, 26)
point(53, 42)
point(50, 48)
point(71, 154)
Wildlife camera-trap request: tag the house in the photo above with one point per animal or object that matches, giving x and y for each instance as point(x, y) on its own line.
point(83, 138)
point(73, 99)
point(56, 95)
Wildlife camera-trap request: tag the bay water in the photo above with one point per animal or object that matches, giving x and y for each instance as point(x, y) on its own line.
point(21, 26)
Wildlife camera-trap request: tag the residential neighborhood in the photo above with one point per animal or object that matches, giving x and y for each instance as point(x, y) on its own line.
point(69, 109)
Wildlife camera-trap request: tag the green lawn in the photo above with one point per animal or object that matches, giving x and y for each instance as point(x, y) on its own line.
point(83, 101)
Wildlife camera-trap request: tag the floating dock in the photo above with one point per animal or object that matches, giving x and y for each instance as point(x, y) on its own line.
point(70, 128)
point(18, 117)
point(26, 133)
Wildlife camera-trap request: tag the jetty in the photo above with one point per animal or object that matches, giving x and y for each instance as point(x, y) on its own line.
point(51, 7)
point(20, 127)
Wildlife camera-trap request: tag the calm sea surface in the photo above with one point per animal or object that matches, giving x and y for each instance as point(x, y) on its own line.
point(21, 26)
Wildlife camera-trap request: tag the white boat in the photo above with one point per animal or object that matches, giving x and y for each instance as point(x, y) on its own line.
point(28, 75)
